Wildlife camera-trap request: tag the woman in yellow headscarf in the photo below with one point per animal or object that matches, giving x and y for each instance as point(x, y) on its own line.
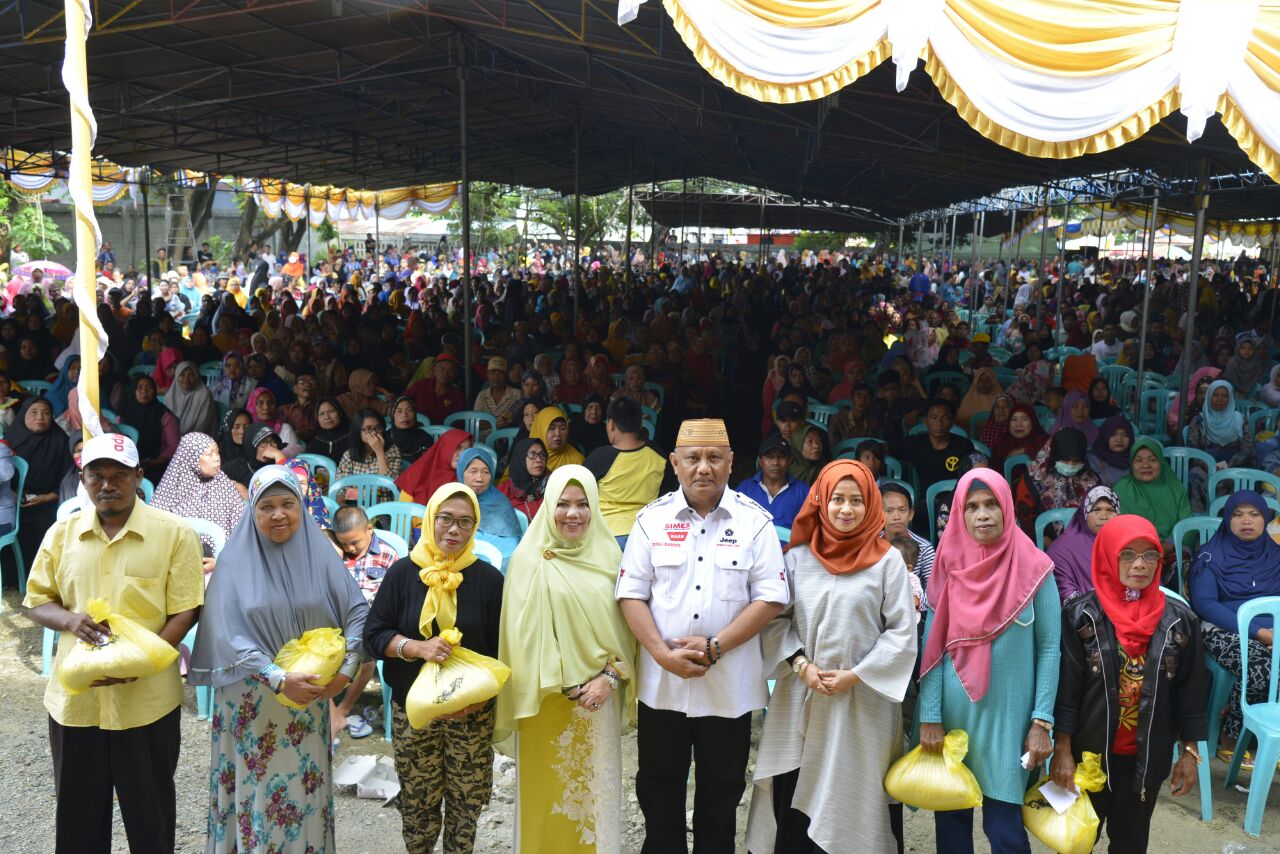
point(572, 662)
point(552, 427)
point(617, 342)
point(446, 768)
point(64, 328)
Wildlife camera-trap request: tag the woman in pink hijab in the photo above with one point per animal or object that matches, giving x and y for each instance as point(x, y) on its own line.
point(1202, 376)
point(990, 662)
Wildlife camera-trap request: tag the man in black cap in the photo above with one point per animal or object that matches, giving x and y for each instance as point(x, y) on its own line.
point(772, 486)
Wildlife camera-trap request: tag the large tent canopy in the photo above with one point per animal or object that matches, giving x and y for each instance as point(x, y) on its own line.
point(365, 94)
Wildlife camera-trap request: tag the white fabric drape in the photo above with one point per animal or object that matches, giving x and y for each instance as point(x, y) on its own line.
point(1058, 79)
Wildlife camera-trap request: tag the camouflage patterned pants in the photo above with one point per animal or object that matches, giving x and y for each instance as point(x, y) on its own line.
point(447, 764)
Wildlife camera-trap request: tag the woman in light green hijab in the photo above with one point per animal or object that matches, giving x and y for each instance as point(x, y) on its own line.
point(572, 662)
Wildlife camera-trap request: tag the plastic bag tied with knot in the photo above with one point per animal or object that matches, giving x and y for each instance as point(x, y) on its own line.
point(130, 651)
point(465, 678)
point(1073, 831)
point(936, 781)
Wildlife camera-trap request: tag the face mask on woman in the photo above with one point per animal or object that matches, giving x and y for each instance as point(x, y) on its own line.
point(1068, 469)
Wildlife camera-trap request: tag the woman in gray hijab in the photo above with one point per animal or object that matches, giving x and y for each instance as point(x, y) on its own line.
point(271, 786)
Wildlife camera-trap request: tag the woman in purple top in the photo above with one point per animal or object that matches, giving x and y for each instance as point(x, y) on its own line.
point(1072, 553)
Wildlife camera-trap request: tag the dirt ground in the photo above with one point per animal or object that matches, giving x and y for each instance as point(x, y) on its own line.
point(26, 782)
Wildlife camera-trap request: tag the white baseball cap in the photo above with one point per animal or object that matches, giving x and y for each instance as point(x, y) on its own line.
point(110, 446)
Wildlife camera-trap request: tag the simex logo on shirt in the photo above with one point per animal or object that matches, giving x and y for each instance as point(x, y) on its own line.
point(677, 532)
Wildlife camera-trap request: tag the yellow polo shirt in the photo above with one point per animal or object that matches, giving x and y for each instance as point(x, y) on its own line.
point(151, 570)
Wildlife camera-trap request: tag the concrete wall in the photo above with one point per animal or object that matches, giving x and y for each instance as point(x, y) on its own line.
point(122, 227)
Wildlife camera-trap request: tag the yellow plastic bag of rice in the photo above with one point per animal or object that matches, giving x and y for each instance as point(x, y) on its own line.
point(936, 781)
point(129, 652)
point(464, 679)
point(318, 651)
point(1073, 831)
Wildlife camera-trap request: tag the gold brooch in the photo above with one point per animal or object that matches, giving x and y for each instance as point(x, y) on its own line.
point(548, 555)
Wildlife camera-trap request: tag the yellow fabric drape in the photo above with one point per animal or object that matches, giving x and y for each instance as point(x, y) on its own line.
point(442, 573)
point(1059, 38)
point(806, 13)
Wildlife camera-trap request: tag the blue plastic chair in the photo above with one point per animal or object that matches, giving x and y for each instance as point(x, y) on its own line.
point(1261, 720)
point(1044, 520)
point(1263, 420)
point(936, 381)
point(820, 414)
point(523, 521)
point(1013, 461)
point(126, 430)
point(11, 539)
point(318, 462)
point(211, 372)
point(68, 507)
point(505, 437)
point(488, 552)
point(893, 467)
point(473, 421)
point(203, 527)
point(1203, 527)
point(897, 481)
point(930, 503)
point(40, 388)
point(1243, 478)
point(1115, 375)
point(1203, 780)
point(330, 505)
point(367, 486)
point(394, 540)
point(981, 448)
point(850, 446)
point(660, 390)
point(386, 704)
point(784, 534)
point(1180, 460)
point(148, 490)
point(141, 371)
point(437, 430)
point(1215, 508)
point(977, 422)
point(1153, 411)
point(401, 516)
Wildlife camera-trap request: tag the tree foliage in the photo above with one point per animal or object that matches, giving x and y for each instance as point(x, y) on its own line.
point(23, 221)
point(494, 209)
point(600, 216)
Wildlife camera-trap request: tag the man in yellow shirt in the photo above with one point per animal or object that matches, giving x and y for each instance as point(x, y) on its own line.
point(628, 471)
point(120, 735)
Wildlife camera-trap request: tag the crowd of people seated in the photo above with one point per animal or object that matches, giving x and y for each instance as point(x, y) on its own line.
point(966, 457)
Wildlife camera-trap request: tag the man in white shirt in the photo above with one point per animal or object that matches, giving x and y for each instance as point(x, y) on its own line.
point(701, 576)
point(1109, 347)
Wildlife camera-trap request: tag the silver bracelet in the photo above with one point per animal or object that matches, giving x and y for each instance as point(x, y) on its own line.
point(611, 676)
point(400, 649)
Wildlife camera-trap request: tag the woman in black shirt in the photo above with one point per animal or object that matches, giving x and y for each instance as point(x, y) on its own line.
point(448, 765)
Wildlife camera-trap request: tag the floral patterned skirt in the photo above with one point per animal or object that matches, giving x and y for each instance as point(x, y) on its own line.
point(270, 786)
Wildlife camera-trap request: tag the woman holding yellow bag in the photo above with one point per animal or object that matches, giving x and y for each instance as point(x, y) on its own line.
point(447, 766)
point(572, 661)
point(280, 582)
point(1132, 682)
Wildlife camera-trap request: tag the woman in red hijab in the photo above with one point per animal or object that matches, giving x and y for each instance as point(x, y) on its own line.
point(434, 468)
point(990, 662)
point(1131, 683)
point(844, 650)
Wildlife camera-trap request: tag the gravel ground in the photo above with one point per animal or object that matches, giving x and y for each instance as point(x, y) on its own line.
point(26, 781)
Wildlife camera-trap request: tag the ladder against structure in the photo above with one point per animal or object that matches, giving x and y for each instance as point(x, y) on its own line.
point(179, 232)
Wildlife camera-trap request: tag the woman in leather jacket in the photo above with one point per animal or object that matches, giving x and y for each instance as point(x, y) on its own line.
point(1131, 682)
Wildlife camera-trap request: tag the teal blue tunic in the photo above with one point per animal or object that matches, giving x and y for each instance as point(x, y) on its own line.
point(1024, 685)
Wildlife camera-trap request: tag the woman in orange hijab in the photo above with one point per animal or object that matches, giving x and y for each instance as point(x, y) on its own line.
point(843, 651)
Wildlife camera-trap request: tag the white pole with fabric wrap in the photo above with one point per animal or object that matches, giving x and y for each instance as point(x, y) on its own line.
point(93, 338)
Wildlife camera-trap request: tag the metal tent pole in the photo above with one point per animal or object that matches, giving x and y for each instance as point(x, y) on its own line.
point(1044, 233)
point(306, 204)
point(902, 225)
point(684, 228)
point(146, 229)
point(464, 187)
point(702, 191)
point(1057, 294)
point(1146, 307)
point(626, 249)
point(1193, 285)
point(577, 220)
point(377, 232)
